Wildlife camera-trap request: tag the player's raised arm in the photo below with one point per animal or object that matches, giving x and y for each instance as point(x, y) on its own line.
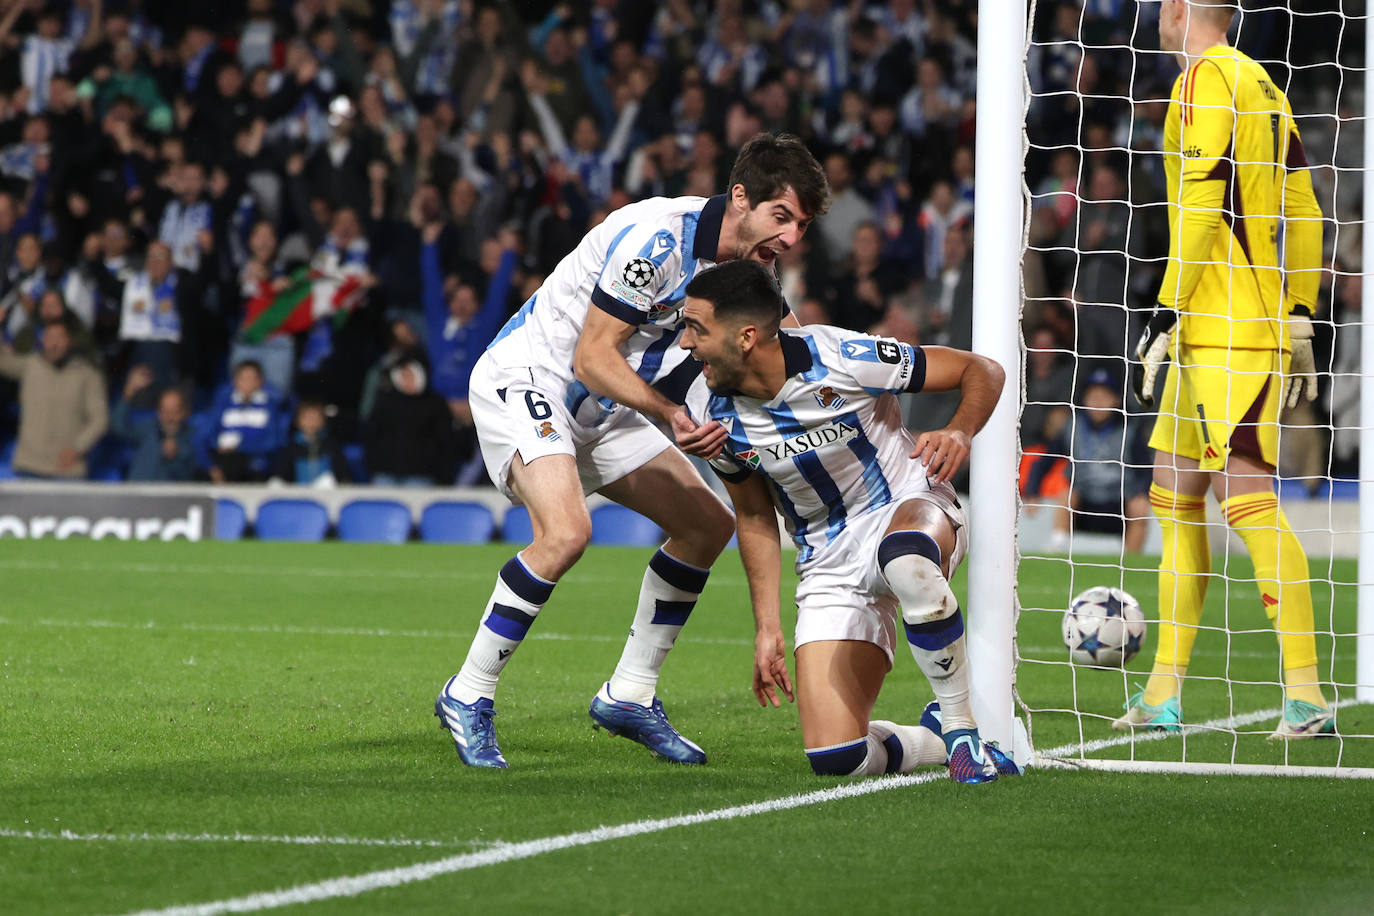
point(599, 364)
point(761, 554)
point(979, 381)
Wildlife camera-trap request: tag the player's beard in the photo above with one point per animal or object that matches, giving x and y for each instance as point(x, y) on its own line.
point(723, 374)
point(749, 235)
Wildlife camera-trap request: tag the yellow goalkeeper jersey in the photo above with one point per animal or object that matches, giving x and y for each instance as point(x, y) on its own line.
point(1235, 168)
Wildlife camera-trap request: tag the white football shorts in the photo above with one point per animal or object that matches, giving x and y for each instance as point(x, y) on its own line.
point(843, 595)
point(515, 413)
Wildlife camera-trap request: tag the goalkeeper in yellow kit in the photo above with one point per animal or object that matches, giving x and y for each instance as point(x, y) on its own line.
point(1236, 324)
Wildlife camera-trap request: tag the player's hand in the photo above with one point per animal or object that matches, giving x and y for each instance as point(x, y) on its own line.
point(1302, 371)
point(770, 669)
point(943, 452)
point(1152, 350)
point(702, 441)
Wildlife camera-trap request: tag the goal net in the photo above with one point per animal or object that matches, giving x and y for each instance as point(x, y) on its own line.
point(1096, 247)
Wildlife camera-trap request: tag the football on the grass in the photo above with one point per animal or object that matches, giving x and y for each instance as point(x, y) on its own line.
point(1104, 627)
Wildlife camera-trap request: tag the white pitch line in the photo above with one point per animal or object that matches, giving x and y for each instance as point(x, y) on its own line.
point(71, 835)
point(1226, 723)
point(354, 885)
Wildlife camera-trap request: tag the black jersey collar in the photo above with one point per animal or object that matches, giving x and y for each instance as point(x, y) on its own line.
point(796, 354)
point(707, 241)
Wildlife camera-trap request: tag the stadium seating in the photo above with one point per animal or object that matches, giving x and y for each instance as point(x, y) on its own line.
point(617, 526)
point(375, 521)
point(230, 520)
point(516, 527)
point(299, 520)
point(457, 523)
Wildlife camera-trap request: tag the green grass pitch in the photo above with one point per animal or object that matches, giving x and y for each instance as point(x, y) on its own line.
point(179, 720)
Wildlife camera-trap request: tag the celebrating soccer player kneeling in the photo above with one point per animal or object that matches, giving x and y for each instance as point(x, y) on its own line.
point(815, 431)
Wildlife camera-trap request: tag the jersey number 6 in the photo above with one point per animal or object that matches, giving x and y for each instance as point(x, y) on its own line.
point(539, 408)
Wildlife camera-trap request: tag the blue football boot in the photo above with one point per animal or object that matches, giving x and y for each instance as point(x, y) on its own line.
point(1166, 717)
point(648, 725)
point(1304, 720)
point(472, 729)
point(969, 761)
point(1005, 766)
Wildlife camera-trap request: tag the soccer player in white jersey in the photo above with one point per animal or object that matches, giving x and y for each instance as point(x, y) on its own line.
point(562, 400)
point(815, 432)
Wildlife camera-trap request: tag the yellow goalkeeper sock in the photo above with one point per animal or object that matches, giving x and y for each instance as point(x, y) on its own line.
point(1184, 569)
point(1281, 574)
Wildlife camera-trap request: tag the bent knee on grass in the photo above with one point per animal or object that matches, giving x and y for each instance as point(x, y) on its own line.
point(837, 684)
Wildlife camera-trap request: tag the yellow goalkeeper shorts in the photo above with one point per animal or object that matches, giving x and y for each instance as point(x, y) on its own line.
point(1217, 401)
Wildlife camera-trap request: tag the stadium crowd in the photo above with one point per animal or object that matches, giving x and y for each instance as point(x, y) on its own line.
point(280, 232)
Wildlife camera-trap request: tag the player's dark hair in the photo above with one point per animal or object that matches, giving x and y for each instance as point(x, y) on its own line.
point(769, 164)
point(741, 292)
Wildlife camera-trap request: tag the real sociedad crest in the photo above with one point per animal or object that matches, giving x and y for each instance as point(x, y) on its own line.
point(828, 399)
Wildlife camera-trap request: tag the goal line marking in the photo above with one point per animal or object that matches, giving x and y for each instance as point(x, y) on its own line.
point(1226, 723)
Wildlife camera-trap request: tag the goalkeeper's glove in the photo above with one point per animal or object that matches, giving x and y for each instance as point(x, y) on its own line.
point(1302, 371)
point(1152, 351)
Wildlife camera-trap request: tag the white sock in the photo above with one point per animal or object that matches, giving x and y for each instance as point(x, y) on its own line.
point(910, 562)
point(514, 603)
point(909, 746)
point(666, 598)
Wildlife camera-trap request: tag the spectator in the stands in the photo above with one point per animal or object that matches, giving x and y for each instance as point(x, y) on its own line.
point(1049, 387)
point(337, 170)
point(409, 438)
point(312, 456)
point(940, 211)
point(163, 446)
point(154, 315)
point(24, 284)
point(1109, 469)
point(864, 290)
point(247, 429)
point(403, 342)
point(188, 220)
point(847, 210)
point(51, 310)
point(263, 274)
point(63, 411)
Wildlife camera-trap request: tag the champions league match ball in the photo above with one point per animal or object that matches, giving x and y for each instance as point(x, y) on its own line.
point(1104, 627)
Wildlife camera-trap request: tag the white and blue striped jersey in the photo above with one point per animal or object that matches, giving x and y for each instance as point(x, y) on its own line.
point(831, 446)
point(635, 266)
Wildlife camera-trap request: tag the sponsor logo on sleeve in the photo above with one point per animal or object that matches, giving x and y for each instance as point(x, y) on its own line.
point(631, 295)
point(638, 273)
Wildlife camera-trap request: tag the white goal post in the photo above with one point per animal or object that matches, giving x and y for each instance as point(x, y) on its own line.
point(1002, 240)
